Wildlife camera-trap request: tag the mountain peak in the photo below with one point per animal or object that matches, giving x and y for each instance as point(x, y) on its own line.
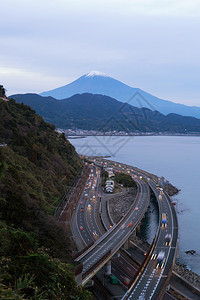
point(96, 82)
point(95, 73)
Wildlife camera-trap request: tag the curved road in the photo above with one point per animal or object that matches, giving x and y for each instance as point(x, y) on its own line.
point(153, 280)
point(115, 237)
point(151, 283)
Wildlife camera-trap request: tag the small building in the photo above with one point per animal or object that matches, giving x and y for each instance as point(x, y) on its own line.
point(109, 189)
point(109, 186)
point(110, 182)
point(113, 279)
point(110, 172)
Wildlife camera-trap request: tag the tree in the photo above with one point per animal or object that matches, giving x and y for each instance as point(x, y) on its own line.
point(2, 91)
point(124, 179)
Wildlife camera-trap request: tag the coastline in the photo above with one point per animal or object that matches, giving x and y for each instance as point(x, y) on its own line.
point(80, 133)
point(117, 204)
point(133, 134)
point(168, 156)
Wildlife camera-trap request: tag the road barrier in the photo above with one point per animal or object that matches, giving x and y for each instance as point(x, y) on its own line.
point(96, 267)
point(72, 196)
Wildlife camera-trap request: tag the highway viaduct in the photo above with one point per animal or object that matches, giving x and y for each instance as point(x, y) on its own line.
point(150, 281)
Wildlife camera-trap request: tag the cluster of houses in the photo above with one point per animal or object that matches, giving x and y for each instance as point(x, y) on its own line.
point(110, 184)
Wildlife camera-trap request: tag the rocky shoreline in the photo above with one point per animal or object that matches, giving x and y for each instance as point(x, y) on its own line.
point(189, 275)
point(120, 204)
point(171, 190)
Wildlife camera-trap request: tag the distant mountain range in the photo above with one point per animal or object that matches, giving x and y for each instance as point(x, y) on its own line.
point(103, 113)
point(97, 83)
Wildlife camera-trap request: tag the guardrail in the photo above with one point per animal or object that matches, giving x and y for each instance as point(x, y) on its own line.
point(74, 256)
point(103, 260)
point(66, 197)
point(109, 214)
point(135, 279)
point(72, 196)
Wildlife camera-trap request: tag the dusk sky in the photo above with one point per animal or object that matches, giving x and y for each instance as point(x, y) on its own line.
point(150, 44)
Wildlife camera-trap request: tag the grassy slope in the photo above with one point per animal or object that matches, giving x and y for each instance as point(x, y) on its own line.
point(36, 169)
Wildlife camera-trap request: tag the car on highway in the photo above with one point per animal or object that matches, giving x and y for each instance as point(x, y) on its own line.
point(93, 198)
point(160, 259)
point(153, 257)
point(136, 208)
point(168, 239)
point(86, 196)
point(126, 281)
point(82, 209)
point(89, 205)
point(164, 220)
point(81, 227)
point(130, 224)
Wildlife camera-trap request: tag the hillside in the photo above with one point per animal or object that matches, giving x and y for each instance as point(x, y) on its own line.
point(37, 165)
point(97, 83)
point(102, 113)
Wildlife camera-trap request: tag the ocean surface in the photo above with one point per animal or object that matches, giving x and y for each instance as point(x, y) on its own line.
point(177, 158)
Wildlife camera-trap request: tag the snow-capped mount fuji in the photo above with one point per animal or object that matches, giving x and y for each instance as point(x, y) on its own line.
point(96, 73)
point(93, 82)
point(96, 82)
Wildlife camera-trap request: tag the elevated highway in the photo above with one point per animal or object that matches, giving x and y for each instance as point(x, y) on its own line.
point(152, 279)
point(151, 282)
point(106, 246)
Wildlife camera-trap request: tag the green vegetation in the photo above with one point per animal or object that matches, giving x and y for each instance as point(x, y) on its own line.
point(104, 176)
point(124, 179)
point(37, 167)
point(30, 272)
point(2, 91)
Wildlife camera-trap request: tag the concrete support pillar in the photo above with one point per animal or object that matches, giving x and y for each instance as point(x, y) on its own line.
point(78, 279)
point(126, 245)
point(108, 268)
point(134, 233)
point(138, 229)
point(178, 249)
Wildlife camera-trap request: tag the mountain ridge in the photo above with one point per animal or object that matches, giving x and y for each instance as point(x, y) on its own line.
point(95, 83)
point(103, 113)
